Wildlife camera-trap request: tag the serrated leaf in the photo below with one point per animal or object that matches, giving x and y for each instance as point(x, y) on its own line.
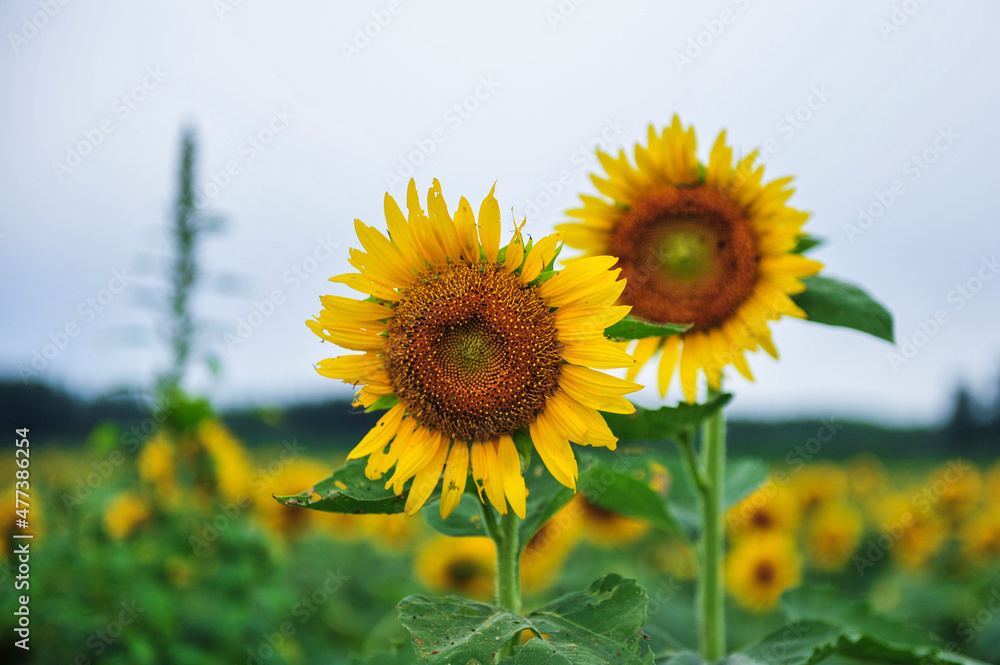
point(626, 495)
point(348, 490)
point(835, 303)
point(600, 625)
point(452, 630)
point(631, 328)
point(668, 422)
point(810, 642)
point(806, 243)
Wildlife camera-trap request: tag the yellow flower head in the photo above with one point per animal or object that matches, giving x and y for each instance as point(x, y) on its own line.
point(605, 527)
point(866, 477)
point(391, 533)
point(760, 569)
point(916, 532)
point(230, 466)
point(956, 487)
point(981, 537)
point(771, 509)
point(156, 466)
point(472, 343)
point(818, 484)
point(127, 511)
point(832, 534)
point(464, 566)
point(993, 484)
point(547, 551)
point(707, 245)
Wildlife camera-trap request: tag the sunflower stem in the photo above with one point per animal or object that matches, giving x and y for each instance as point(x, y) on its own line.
point(505, 535)
point(712, 591)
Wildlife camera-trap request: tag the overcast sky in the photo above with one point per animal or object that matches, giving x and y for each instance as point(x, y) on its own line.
point(307, 112)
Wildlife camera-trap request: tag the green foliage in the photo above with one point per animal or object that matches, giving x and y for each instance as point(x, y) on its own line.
point(835, 303)
point(348, 490)
point(382, 403)
point(465, 520)
point(631, 328)
point(545, 497)
point(600, 625)
point(628, 495)
point(669, 422)
point(806, 243)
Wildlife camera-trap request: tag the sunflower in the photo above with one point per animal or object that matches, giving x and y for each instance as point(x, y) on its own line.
point(156, 466)
point(771, 509)
point(957, 487)
point(460, 565)
point(603, 526)
point(818, 484)
point(981, 537)
point(866, 477)
point(126, 512)
point(710, 246)
point(228, 460)
point(917, 534)
point(468, 344)
point(760, 569)
point(832, 534)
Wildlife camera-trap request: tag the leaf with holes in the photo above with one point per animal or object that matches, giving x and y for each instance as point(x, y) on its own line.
point(455, 630)
point(348, 490)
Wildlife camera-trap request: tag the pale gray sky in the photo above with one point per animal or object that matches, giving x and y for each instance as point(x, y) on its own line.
point(314, 119)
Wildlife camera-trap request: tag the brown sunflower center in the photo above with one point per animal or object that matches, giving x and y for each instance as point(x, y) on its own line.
point(688, 254)
point(462, 572)
point(473, 352)
point(764, 572)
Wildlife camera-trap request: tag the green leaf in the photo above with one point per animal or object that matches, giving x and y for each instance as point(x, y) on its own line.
point(810, 642)
point(835, 303)
point(383, 402)
point(627, 495)
point(743, 476)
point(456, 631)
point(546, 496)
point(465, 520)
point(348, 490)
point(683, 658)
point(600, 625)
point(522, 441)
point(551, 267)
point(669, 422)
point(631, 328)
point(805, 244)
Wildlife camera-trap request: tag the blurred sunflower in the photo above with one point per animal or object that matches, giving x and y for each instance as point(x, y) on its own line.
point(676, 558)
point(771, 509)
point(124, 514)
point(547, 551)
point(602, 526)
point(980, 537)
point(993, 484)
point(760, 569)
point(817, 484)
point(957, 487)
point(707, 245)
point(469, 344)
point(458, 565)
point(229, 463)
point(832, 534)
point(392, 533)
point(917, 535)
point(156, 466)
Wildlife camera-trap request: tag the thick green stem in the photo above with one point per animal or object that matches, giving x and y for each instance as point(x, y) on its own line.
point(508, 564)
point(712, 592)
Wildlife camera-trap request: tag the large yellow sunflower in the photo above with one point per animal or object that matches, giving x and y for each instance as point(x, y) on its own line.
point(711, 246)
point(468, 344)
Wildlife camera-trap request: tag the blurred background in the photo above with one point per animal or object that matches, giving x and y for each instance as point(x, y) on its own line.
point(178, 181)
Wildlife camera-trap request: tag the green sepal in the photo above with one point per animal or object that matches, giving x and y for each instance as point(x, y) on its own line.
point(806, 243)
point(835, 303)
point(631, 328)
point(382, 403)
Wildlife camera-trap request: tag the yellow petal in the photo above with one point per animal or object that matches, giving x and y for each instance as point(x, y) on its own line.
point(351, 369)
point(600, 354)
point(401, 234)
point(456, 473)
point(477, 461)
point(424, 445)
point(515, 249)
point(489, 226)
point(510, 471)
point(539, 257)
point(365, 285)
point(554, 449)
point(381, 434)
point(668, 363)
point(690, 363)
point(494, 478)
point(425, 481)
point(645, 348)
